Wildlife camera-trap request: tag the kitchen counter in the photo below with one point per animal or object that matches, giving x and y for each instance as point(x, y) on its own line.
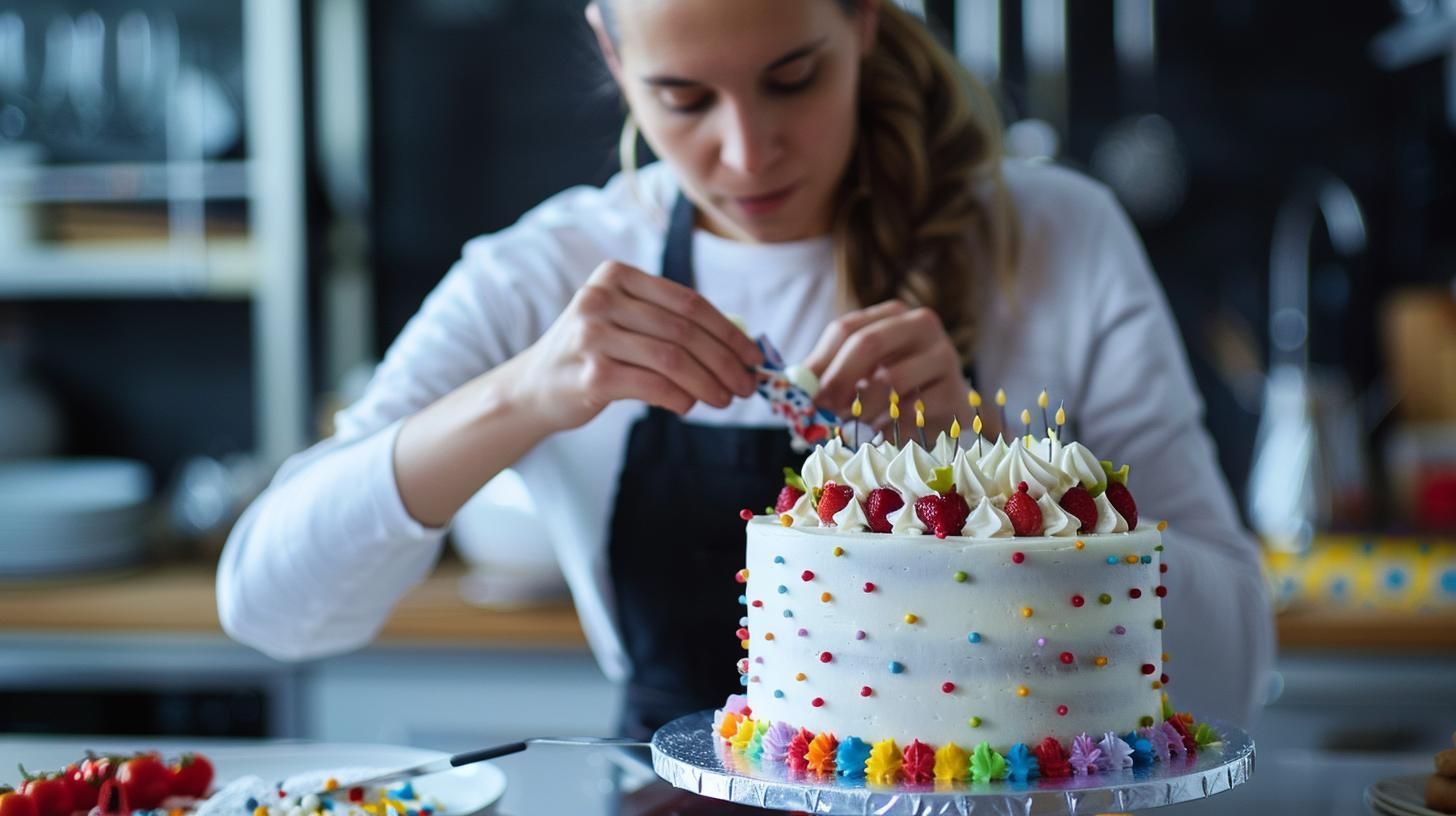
point(178, 599)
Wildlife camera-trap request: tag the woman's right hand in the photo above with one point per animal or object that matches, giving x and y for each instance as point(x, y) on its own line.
point(630, 335)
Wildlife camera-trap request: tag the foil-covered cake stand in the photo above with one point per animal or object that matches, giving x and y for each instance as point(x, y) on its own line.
point(685, 753)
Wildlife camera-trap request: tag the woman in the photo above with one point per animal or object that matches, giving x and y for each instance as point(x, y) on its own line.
point(826, 177)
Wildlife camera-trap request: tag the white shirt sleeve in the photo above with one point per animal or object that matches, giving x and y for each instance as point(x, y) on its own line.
point(1141, 405)
point(317, 562)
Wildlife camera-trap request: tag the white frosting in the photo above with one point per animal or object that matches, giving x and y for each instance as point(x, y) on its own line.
point(838, 451)
point(1081, 466)
point(987, 521)
point(991, 459)
point(803, 512)
point(1108, 519)
point(1021, 465)
point(944, 451)
point(911, 473)
point(819, 468)
point(1055, 521)
point(851, 517)
point(865, 470)
point(915, 575)
point(970, 482)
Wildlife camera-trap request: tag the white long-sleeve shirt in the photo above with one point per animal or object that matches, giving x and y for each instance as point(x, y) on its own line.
point(316, 563)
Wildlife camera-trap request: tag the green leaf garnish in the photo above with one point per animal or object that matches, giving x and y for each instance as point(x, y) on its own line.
point(793, 480)
point(1097, 489)
point(943, 482)
point(1205, 735)
point(1119, 475)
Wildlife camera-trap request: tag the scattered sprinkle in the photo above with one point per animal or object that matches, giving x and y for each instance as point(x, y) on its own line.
point(1155, 685)
point(1061, 710)
point(869, 586)
point(1158, 624)
point(1041, 641)
point(1078, 600)
point(1018, 557)
point(1025, 611)
point(1022, 691)
point(960, 577)
point(1067, 658)
point(741, 576)
point(786, 520)
point(947, 687)
point(745, 514)
point(783, 589)
point(1100, 661)
point(825, 597)
point(801, 677)
point(974, 722)
point(859, 635)
point(865, 691)
point(778, 559)
point(1104, 599)
point(974, 637)
point(1146, 721)
point(1147, 559)
point(838, 551)
point(788, 613)
point(807, 575)
point(1131, 559)
point(778, 694)
point(1111, 559)
point(817, 702)
point(825, 657)
point(1149, 668)
point(896, 667)
point(1081, 545)
point(911, 617)
point(1162, 568)
point(758, 604)
point(768, 636)
point(1134, 593)
point(1162, 525)
point(1119, 629)
point(1165, 657)
point(803, 633)
point(1162, 591)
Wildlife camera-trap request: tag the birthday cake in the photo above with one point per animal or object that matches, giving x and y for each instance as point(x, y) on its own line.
point(954, 612)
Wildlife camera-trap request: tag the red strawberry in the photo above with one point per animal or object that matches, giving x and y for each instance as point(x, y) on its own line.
point(834, 498)
point(881, 502)
point(788, 497)
point(943, 514)
point(1079, 503)
point(1121, 500)
point(1025, 516)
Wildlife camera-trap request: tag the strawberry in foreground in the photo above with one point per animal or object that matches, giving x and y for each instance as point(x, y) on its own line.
point(1079, 502)
point(1119, 496)
point(790, 493)
point(1025, 515)
point(881, 502)
point(50, 792)
point(943, 514)
point(834, 498)
point(191, 776)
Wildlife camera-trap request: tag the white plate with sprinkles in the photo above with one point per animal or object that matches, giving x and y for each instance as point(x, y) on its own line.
point(250, 777)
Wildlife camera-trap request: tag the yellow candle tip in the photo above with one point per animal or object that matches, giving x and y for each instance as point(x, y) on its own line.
point(1026, 416)
point(1041, 400)
point(1000, 396)
point(894, 397)
point(894, 410)
point(919, 417)
point(977, 425)
point(955, 428)
point(974, 398)
point(857, 408)
point(1061, 416)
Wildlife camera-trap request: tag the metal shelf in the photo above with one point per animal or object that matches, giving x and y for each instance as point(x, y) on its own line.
point(126, 183)
point(224, 270)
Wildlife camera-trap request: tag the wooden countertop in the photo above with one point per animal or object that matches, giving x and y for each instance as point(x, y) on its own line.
point(178, 599)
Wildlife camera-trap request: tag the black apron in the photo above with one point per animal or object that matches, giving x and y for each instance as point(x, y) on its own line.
point(677, 541)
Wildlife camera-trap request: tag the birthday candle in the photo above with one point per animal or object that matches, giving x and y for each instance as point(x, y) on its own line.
point(895, 415)
point(955, 432)
point(856, 409)
point(977, 425)
point(920, 421)
point(1042, 401)
point(1001, 406)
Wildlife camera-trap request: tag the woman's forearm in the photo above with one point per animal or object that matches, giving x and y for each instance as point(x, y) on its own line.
point(446, 452)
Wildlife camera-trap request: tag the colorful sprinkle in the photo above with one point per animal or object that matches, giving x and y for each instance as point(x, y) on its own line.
point(1061, 711)
point(1026, 611)
point(1165, 657)
point(783, 589)
point(896, 667)
point(1158, 624)
point(1146, 721)
point(1119, 629)
point(1100, 661)
point(778, 559)
point(1131, 559)
point(1081, 545)
point(1111, 559)
point(1164, 678)
point(1134, 593)
point(803, 633)
point(974, 722)
point(1162, 525)
point(808, 575)
point(1067, 658)
point(825, 657)
point(788, 613)
point(801, 677)
point(1104, 599)
point(742, 633)
point(745, 514)
point(743, 643)
point(1078, 600)
point(869, 586)
point(778, 694)
point(743, 599)
point(1018, 557)
point(960, 577)
point(817, 702)
point(825, 597)
point(947, 687)
point(865, 691)
point(838, 551)
point(1041, 641)
point(911, 617)
point(758, 604)
point(859, 635)
point(768, 636)
point(741, 576)
point(1161, 591)
point(974, 637)
point(1158, 548)
point(1155, 685)
point(1022, 691)
point(1147, 559)
point(1162, 568)
point(1149, 668)
point(786, 520)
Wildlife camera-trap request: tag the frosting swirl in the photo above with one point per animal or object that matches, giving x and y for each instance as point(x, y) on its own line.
point(865, 470)
point(991, 460)
point(802, 513)
point(987, 521)
point(944, 451)
point(1021, 465)
point(819, 468)
point(1108, 519)
point(837, 450)
point(851, 518)
point(970, 482)
point(1082, 467)
point(1056, 521)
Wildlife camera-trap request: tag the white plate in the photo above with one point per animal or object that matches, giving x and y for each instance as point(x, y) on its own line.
point(462, 791)
point(1401, 796)
point(465, 790)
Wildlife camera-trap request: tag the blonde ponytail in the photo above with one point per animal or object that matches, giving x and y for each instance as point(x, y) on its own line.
point(923, 213)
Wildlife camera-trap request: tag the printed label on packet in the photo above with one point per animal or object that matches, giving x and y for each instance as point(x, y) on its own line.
point(809, 425)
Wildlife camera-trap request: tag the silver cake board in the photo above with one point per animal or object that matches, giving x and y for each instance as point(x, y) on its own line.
point(687, 755)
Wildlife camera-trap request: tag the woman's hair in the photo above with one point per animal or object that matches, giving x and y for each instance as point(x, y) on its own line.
point(923, 213)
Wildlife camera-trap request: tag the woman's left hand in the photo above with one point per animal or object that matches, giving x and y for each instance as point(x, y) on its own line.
point(869, 351)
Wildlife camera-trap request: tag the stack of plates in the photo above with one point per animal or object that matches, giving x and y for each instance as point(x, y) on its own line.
point(1399, 796)
point(61, 516)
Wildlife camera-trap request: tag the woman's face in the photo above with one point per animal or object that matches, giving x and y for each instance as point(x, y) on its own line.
point(752, 101)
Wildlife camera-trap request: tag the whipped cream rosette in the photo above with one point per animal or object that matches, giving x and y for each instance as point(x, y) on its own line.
point(910, 474)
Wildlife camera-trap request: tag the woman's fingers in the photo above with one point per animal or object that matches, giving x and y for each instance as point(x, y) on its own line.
point(670, 360)
point(843, 327)
point(648, 318)
point(617, 380)
point(873, 346)
point(684, 302)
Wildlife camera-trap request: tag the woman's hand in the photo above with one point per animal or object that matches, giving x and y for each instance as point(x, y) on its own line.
point(630, 335)
point(892, 346)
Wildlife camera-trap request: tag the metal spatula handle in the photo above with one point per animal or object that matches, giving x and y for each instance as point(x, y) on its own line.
point(435, 766)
